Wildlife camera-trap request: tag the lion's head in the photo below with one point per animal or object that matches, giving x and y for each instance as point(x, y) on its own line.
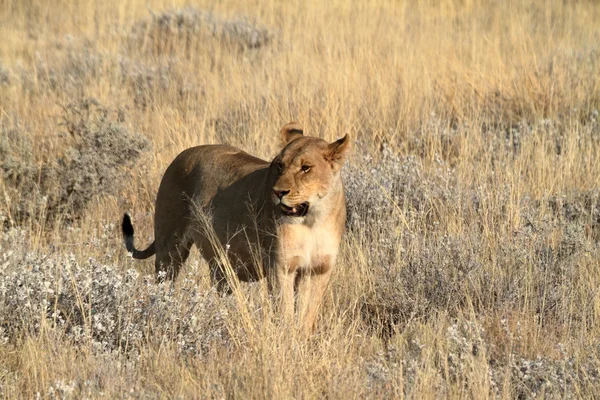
point(308, 170)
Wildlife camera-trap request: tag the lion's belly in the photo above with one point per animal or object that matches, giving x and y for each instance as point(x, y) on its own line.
point(308, 249)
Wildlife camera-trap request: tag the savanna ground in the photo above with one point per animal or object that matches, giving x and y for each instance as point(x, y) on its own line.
point(470, 267)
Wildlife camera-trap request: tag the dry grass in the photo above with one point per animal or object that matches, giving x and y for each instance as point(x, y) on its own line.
point(471, 265)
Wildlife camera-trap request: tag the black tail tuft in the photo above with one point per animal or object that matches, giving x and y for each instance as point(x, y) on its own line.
point(127, 226)
point(127, 229)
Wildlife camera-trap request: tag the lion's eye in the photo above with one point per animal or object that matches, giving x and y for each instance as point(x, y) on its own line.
point(305, 168)
point(280, 165)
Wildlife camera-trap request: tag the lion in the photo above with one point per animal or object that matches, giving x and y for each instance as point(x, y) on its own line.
point(292, 209)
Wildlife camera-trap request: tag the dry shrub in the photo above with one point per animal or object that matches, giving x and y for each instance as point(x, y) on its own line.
point(398, 214)
point(95, 164)
point(16, 153)
point(189, 28)
point(157, 83)
point(147, 83)
point(416, 277)
point(386, 183)
point(103, 152)
point(26, 183)
point(70, 67)
point(467, 344)
point(94, 304)
point(73, 67)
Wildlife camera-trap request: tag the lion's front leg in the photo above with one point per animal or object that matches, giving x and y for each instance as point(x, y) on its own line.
point(281, 286)
point(311, 290)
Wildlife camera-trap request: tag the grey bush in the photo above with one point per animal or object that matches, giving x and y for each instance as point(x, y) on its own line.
point(103, 150)
point(164, 32)
point(94, 165)
point(99, 305)
point(420, 269)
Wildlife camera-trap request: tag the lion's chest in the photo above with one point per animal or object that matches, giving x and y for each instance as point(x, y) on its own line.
point(308, 248)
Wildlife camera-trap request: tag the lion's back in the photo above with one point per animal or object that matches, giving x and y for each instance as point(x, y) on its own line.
point(200, 173)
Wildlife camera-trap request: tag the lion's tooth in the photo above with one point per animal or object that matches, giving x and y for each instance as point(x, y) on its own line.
point(294, 209)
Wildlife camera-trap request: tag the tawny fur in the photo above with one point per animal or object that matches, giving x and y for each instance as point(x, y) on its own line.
point(246, 200)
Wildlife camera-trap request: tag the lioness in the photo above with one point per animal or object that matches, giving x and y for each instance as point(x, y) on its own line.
point(292, 209)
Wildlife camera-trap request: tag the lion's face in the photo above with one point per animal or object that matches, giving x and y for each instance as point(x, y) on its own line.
point(307, 170)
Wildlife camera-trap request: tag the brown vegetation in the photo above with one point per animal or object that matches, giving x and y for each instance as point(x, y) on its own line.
point(470, 267)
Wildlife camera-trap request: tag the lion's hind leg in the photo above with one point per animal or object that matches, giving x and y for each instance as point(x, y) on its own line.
point(170, 257)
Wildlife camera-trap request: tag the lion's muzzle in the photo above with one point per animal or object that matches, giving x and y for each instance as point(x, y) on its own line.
point(296, 211)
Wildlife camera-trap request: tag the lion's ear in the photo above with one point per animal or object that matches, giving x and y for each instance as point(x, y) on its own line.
point(291, 131)
point(339, 150)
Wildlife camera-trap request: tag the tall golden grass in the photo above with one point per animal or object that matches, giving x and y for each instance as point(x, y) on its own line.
point(497, 101)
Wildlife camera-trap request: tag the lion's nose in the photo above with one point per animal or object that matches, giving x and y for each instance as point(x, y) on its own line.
point(280, 193)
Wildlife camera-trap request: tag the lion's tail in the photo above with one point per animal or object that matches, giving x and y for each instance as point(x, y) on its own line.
point(127, 228)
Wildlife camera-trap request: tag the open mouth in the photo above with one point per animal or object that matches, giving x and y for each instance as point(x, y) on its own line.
point(297, 211)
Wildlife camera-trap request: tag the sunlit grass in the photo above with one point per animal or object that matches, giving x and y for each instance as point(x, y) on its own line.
point(470, 267)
